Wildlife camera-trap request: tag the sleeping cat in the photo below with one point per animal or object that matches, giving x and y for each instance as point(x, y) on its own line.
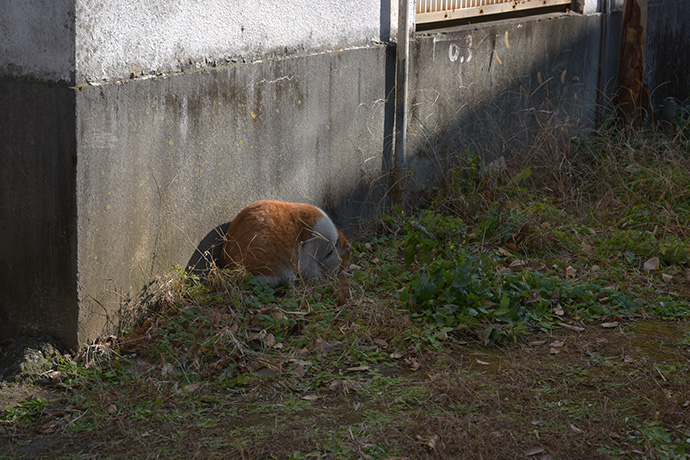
point(281, 242)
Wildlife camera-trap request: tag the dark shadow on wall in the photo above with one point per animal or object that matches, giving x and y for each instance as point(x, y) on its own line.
point(207, 253)
point(498, 90)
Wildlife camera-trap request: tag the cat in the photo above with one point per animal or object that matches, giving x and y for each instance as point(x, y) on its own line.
point(282, 242)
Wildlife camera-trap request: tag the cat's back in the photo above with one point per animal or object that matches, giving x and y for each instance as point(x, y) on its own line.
point(264, 236)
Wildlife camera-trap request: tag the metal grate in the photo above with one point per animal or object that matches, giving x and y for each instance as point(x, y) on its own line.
point(444, 10)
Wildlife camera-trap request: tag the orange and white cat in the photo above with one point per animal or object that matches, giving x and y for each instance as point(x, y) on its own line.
point(282, 242)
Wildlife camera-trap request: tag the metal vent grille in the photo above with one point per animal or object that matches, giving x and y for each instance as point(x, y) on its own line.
point(444, 10)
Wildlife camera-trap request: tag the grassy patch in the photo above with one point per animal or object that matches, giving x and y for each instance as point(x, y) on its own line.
point(538, 306)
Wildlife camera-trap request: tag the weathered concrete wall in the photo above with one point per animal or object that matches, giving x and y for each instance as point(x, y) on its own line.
point(485, 89)
point(37, 39)
point(668, 41)
point(117, 38)
point(163, 162)
point(38, 263)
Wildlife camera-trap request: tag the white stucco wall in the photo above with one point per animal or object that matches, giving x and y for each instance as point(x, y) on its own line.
point(37, 39)
point(117, 38)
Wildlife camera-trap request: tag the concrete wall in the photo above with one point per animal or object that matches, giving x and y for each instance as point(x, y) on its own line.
point(163, 162)
point(118, 38)
point(37, 39)
point(486, 89)
point(668, 41)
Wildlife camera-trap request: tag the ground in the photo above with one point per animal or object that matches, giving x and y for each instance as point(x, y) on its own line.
point(616, 392)
point(538, 309)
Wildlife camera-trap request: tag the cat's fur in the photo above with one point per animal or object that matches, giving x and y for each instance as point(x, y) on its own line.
point(282, 242)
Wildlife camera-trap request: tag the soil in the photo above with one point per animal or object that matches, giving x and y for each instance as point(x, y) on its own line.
point(618, 392)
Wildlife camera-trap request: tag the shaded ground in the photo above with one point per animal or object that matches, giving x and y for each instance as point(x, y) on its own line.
point(602, 393)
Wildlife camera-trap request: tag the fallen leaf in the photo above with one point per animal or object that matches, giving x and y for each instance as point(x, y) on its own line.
point(432, 441)
point(534, 451)
point(666, 277)
point(518, 263)
point(396, 355)
point(322, 346)
point(381, 343)
point(269, 340)
point(537, 343)
point(651, 264)
point(570, 272)
point(575, 429)
point(571, 327)
point(354, 267)
point(412, 362)
point(358, 368)
point(595, 268)
point(192, 387)
point(112, 409)
point(504, 252)
point(610, 325)
point(554, 351)
point(558, 310)
point(483, 363)
point(557, 344)
point(311, 397)
point(513, 247)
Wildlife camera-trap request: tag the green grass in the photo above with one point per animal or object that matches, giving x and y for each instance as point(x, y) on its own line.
point(437, 340)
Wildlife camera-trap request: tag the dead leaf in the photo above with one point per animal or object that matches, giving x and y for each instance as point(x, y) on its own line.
point(570, 272)
point(412, 362)
point(358, 368)
point(557, 344)
point(311, 397)
point(554, 351)
point(278, 345)
point(513, 247)
point(322, 346)
point(483, 363)
point(534, 451)
point(610, 325)
point(503, 252)
point(518, 263)
point(396, 355)
point(192, 387)
point(651, 264)
point(112, 409)
point(432, 441)
point(537, 343)
point(666, 277)
point(571, 327)
point(575, 429)
point(595, 268)
point(558, 310)
point(269, 340)
point(381, 343)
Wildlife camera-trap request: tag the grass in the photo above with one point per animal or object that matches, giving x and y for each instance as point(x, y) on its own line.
point(536, 309)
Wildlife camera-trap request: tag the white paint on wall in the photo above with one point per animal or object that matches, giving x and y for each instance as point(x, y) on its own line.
point(102, 40)
point(37, 39)
point(117, 38)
